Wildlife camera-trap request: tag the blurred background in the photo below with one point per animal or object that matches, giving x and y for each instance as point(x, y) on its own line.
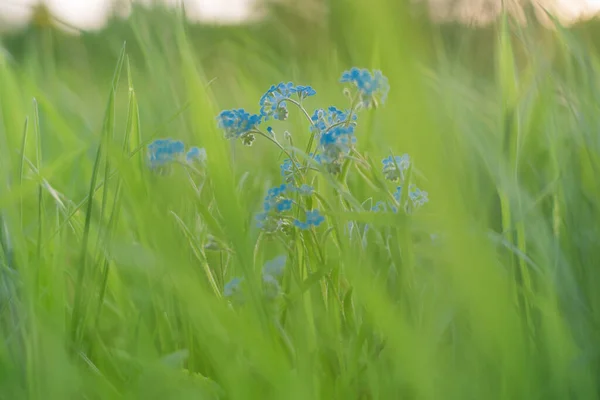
point(94, 14)
point(500, 114)
point(284, 25)
point(64, 50)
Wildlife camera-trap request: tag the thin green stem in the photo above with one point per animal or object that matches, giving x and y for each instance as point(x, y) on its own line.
point(283, 149)
point(299, 105)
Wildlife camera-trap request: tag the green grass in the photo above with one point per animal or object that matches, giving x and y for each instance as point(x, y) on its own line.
point(107, 288)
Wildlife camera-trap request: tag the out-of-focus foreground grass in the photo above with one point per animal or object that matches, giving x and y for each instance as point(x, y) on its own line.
point(489, 292)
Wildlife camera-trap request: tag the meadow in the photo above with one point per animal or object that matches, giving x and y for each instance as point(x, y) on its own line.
point(434, 236)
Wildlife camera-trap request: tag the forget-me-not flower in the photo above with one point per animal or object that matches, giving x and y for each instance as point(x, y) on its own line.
point(284, 205)
point(287, 169)
point(336, 143)
point(394, 167)
point(272, 274)
point(271, 287)
point(275, 266)
point(273, 102)
point(372, 88)
point(398, 193)
point(277, 203)
point(305, 190)
point(164, 151)
point(417, 196)
point(305, 91)
point(379, 206)
point(233, 287)
point(313, 218)
point(335, 131)
point(274, 204)
point(238, 123)
point(325, 119)
point(196, 154)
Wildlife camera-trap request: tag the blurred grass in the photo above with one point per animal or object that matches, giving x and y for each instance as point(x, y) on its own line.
point(110, 297)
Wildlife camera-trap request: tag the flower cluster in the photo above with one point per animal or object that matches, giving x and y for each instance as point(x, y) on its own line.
point(287, 169)
point(163, 152)
point(278, 204)
point(324, 119)
point(196, 154)
point(273, 102)
point(417, 196)
point(233, 288)
point(294, 205)
point(272, 275)
point(372, 88)
point(382, 206)
point(335, 131)
point(238, 123)
point(334, 128)
point(394, 167)
point(313, 218)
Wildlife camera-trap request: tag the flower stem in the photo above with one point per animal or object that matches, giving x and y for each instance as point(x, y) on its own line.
point(283, 149)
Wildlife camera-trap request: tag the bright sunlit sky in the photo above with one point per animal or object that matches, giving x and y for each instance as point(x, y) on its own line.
point(91, 14)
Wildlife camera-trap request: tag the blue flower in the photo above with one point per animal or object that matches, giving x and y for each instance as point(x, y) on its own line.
point(287, 168)
point(275, 202)
point(398, 193)
point(418, 197)
point(373, 87)
point(335, 143)
point(276, 191)
point(324, 119)
point(271, 287)
point(318, 159)
point(305, 91)
point(301, 225)
point(379, 206)
point(284, 205)
point(335, 129)
point(261, 217)
point(266, 222)
point(164, 151)
point(394, 167)
point(275, 266)
point(313, 218)
point(403, 161)
point(318, 120)
point(196, 154)
point(238, 123)
point(305, 190)
point(272, 103)
point(233, 287)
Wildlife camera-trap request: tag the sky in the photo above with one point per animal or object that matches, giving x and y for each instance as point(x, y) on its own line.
point(91, 14)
